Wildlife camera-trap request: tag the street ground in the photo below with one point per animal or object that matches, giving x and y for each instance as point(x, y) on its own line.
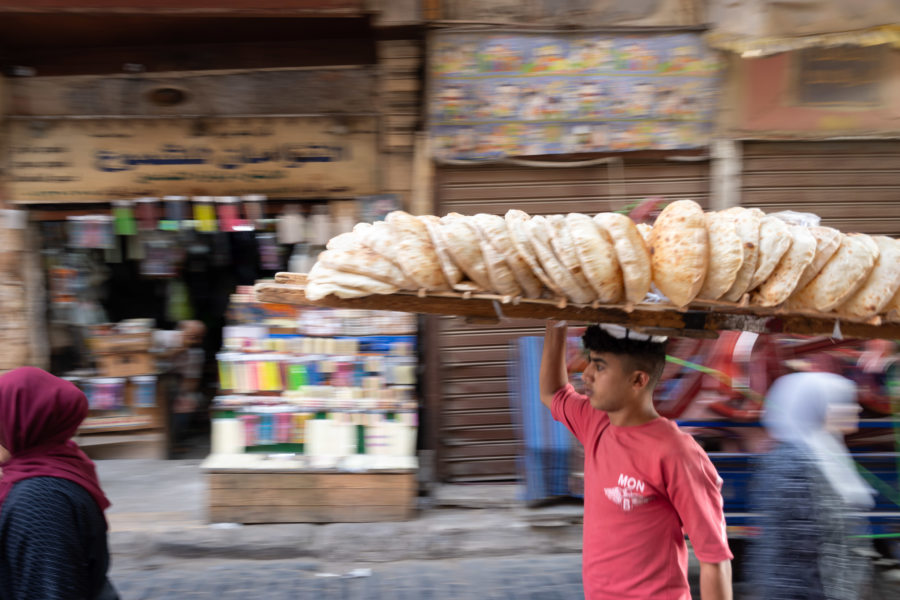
point(542, 577)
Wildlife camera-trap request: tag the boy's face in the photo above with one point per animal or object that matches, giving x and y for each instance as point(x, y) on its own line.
point(609, 381)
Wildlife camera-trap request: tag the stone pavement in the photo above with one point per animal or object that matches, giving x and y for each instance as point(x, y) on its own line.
point(554, 577)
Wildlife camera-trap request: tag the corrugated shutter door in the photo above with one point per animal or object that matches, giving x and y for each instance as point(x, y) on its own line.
point(477, 436)
point(852, 185)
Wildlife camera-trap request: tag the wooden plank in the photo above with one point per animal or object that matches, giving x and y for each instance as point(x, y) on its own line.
point(310, 497)
point(301, 514)
point(708, 317)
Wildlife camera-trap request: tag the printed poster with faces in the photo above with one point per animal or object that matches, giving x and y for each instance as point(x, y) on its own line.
point(495, 95)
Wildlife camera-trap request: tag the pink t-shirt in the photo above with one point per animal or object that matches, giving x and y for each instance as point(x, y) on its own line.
point(644, 487)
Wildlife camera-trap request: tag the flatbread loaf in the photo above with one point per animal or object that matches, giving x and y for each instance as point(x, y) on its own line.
point(631, 252)
point(644, 230)
point(892, 310)
point(365, 261)
point(324, 281)
point(464, 245)
point(882, 284)
point(344, 241)
point(747, 223)
point(539, 233)
point(503, 280)
point(783, 280)
point(415, 253)
point(564, 248)
point(452, 272)
point(379, 237)
point(840, 278)
point(774, 242)
point(494, 228)
point(828, 241)
point(726, 255)
point(598, 258)
point(516, 222)
point(679, 250)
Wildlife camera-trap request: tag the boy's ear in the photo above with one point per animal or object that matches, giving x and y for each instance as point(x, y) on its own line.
point(640, 379)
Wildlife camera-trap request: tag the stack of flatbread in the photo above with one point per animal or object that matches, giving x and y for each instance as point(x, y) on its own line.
point(689, 255)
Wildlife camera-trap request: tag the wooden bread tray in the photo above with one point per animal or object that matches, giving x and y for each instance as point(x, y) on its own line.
point(699, 319)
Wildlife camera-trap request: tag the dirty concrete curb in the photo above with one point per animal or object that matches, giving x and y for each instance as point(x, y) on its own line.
point(159, 509)
point(439, 535)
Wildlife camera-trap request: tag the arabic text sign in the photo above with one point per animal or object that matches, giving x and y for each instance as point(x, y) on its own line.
point(85, 161)
point(525, 94)
point(840, 76)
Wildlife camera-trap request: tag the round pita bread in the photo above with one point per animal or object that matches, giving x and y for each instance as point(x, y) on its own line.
point(726, 255)
point(747, 223)
point(892, 310)
point(828, 241)
point(644, 230)
point(464, 245)
point(564, 248)
point(679, 250)
point(516, 221)
point(452, 272)
point(365, 261)
point(503, 280)
point(494, 228)
point(598, 258)
point(774, 242)
point(882, 284)
point(415, 253)
point(323, 281)
point(631, 252)
point(379, 237)
point(539, 233)
point(783, 280)
point(841, 277)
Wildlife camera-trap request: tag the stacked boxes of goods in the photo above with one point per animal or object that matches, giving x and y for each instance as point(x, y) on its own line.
point(336, 390)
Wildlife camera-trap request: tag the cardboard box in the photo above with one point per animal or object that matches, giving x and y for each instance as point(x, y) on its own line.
point(126, 364)
point(121, 342)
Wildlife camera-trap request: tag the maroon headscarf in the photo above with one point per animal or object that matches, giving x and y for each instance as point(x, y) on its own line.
point(39, 414)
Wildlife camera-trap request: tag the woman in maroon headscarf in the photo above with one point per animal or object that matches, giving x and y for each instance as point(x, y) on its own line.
point(52, 529)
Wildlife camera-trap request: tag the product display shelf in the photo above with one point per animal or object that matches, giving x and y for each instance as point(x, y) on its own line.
point(315, 427)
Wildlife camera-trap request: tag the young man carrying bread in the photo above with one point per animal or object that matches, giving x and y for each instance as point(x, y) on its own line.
point(646, 482)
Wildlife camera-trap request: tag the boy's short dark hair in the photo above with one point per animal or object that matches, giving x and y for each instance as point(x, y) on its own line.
point(641, 354)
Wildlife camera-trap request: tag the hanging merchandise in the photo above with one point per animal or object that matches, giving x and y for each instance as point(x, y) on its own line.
point(269, 257)
point(123, 214)
point(178, 304)
point(91, 231)
point(175, 208)
point(319, 228)
point(301, 260)
point(205, 214)
point(160, 256)
point(229, 214)
point(291, 226)
point(254, 208)
point(147, 213)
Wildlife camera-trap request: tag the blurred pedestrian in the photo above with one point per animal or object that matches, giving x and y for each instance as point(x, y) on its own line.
point(53, 542)
point(805, 492)
point(646, 483)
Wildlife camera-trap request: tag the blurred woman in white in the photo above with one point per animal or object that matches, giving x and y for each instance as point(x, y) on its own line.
point(806, 491)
